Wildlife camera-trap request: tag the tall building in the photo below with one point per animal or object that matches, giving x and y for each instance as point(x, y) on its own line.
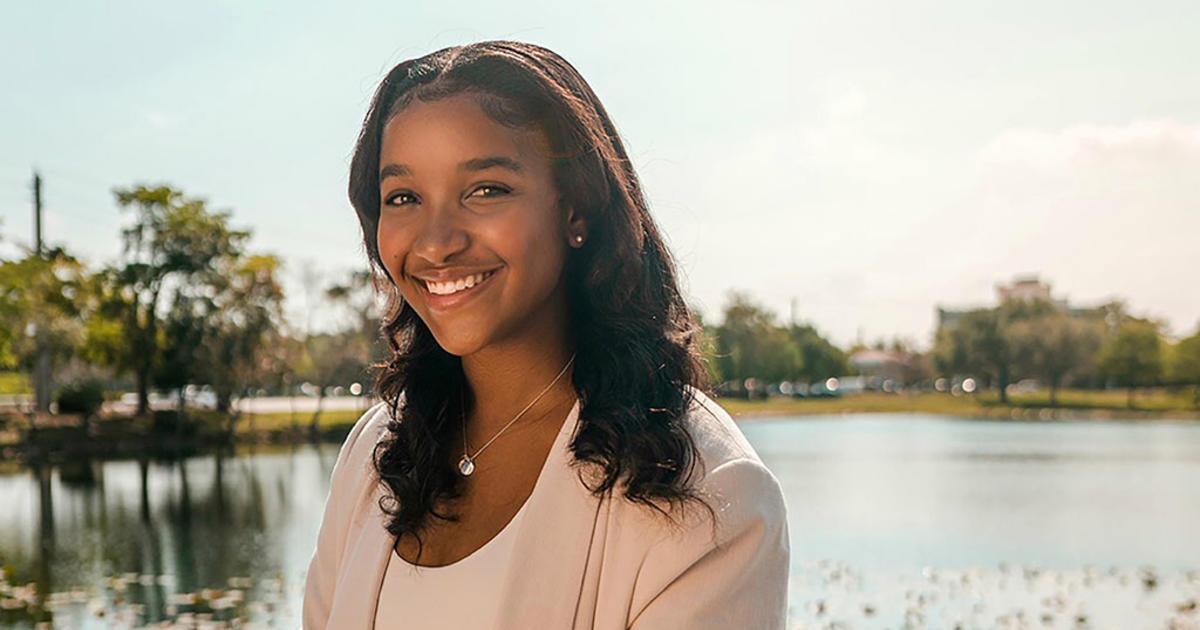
point(1022, 287)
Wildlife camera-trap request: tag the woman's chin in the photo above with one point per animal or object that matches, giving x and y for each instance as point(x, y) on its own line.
point(458, 342)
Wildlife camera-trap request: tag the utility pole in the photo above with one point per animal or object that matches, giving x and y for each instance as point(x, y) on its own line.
point(37, 213)
point(41, 366)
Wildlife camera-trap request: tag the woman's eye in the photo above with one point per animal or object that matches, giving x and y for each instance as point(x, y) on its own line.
point(500, 190)
point(402, 198)
point(392, 200)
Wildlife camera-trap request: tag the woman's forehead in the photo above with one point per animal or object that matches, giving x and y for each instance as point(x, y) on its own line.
point(455, 129)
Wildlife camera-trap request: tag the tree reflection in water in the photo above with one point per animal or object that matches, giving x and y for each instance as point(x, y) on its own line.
point(223, 536)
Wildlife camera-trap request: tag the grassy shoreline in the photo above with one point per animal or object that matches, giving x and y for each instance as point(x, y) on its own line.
point(63, 433)
point(1072, 405)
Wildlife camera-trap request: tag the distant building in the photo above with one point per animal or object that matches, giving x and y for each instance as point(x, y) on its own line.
point(1023, 287)
point(881, 363)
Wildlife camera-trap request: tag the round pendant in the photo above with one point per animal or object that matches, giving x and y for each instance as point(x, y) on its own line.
point(466, 466)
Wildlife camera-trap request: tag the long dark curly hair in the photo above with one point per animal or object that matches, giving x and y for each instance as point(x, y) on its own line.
point(638, 343)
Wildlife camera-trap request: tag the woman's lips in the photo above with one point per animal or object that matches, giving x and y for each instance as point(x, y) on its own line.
point(446, 302)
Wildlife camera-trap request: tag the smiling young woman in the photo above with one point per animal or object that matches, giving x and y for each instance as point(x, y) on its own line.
point(545, 452)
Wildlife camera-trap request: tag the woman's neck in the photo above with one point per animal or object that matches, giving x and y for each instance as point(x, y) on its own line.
point(506, 379)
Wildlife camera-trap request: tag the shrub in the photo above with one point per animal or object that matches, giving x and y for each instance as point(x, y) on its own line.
point(83, 396)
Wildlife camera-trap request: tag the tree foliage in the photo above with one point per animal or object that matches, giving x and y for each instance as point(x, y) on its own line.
point(40, 304)
point(1134, 356)
point(819, 359)
point(161, 310)
point(981, 342)
point(1185, 364)
point(749, 344)
point(1054, 345)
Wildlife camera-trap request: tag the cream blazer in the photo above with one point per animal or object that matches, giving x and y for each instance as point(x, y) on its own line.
point(580, 561)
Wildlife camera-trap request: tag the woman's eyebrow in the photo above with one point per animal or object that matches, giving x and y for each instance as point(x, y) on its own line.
point(474, 164)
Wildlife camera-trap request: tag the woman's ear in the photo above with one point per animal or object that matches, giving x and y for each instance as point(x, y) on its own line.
point(576, 229)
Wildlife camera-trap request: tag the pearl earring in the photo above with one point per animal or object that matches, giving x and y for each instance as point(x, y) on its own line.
point(578, 239)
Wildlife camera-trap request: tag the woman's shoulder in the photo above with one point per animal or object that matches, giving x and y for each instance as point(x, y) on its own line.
point(372, 423)
point(696, 567)
point(730, 477)
point(730, 469)
point(354, 460)
point(717, 437)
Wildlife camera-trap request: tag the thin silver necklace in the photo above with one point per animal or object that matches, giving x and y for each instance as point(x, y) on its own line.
point(466, 465)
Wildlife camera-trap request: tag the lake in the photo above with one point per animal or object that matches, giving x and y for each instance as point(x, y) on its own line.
point(895, 521)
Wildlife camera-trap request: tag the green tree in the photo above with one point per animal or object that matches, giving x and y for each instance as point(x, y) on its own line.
point(172, 242)
point(41, 305)
point(749, 344)
point(1185, 365)
point(1134, 357)
point(1053, 346)
point(246, 318)
point(182, 340)
point(707, 343)
point(358, 299)
point(986, 347)
point(819, 358)
point(950, 351)
point(345, 354)
point(980, 342)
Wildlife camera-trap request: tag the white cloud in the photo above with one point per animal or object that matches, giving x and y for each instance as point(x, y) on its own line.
point(1140, 144)
point(845, 100)
point(842, 140)
point(159, 119)
point(840, 144)
point(1099, 210)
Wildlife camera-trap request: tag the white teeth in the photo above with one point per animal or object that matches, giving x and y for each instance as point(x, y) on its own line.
point(446, 288)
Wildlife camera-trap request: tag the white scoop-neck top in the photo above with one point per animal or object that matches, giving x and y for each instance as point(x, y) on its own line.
point(466, 593)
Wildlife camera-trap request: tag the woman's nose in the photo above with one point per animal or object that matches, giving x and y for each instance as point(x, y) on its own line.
point(441, 236)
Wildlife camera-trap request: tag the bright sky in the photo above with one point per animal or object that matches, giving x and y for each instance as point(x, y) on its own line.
point(861, 160)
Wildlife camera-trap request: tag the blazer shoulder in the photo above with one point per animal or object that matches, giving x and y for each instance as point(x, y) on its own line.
point(717, 437)
point(373, 422)
point(730, 477)
point(729, 572)
point(357, 450)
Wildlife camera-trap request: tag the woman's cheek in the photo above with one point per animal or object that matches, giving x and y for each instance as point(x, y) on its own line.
point(389, 250)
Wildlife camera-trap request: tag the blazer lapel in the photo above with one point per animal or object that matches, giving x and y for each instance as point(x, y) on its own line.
point(362, 571)
point(554, 546)
point(558, 545)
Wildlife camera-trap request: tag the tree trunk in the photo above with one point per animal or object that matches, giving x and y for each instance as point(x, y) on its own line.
point(1054, 392)
point(312, 429)
point(180, 420)
point(1002, 379)
point(143, 390)
point(225, 406)
point(1131, 397)
point(233, 422)
point(291, 392)
point(149, 346)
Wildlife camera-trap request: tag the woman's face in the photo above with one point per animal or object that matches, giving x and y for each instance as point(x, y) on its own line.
point(465, 200)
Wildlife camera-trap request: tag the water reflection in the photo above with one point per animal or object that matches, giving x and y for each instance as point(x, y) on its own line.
point(155, 539)
point(878, 507)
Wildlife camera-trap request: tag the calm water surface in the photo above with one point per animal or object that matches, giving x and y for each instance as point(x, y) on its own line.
point(901, 519)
